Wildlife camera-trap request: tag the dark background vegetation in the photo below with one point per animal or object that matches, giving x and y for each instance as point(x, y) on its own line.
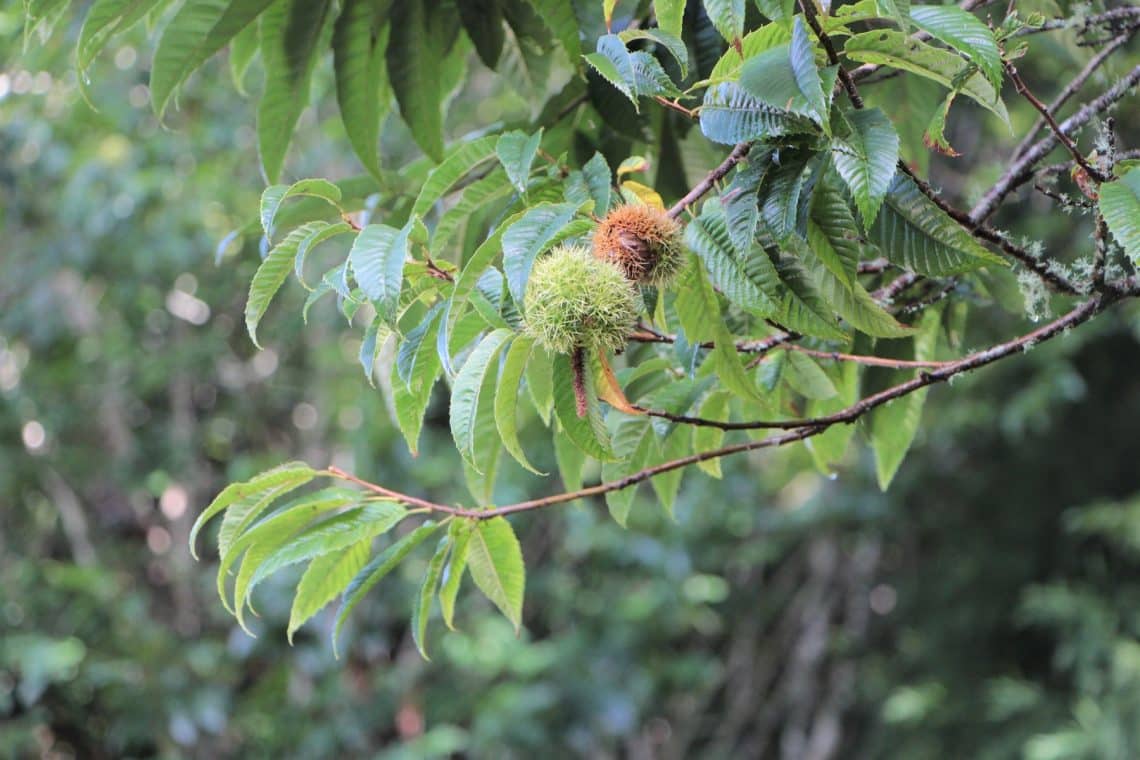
point(986, 607)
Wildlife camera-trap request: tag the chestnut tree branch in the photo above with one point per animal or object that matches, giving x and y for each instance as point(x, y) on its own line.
point(1053, 278)
point(1066, 141)
point(1114, 18)
point(736, 156)
point(1071, 89)
point(1022, 169)
point(798, 430)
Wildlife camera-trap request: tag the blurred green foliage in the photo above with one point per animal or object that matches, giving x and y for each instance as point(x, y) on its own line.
point(984, 607)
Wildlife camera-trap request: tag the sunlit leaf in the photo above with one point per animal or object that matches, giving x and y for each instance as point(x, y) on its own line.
point(263, 537)
point(476, 378)
point(458, 164)
point(199, 29)
point(414, 374)
point(807, 378)
point(275, 195)
point(460, 533)
point(422, 611)
point(245, 496)
point(707, 438)
point(333, 534)
point(271, 274)
point(377, 258)
point(699, 314)
point(540, 382)
point(104, 20)
point(376, 569)
point(495, 561)
point(633, 444)
point(670, 14)
point(324, 579)
point(727, 16)
point(507, 395)
point(314, 239)
point(484, 193)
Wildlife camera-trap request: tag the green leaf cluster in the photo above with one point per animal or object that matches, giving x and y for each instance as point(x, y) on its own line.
point(332, 531)
point(470, 266)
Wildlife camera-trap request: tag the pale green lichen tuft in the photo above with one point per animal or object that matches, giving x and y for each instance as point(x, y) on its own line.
point(574, 300)
point(1034, 294)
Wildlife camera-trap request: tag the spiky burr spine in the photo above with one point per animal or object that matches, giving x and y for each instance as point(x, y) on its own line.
point(576, 301)
point(643, 241)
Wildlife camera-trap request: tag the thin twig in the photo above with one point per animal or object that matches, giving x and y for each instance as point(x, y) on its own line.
point(675, 106)
point(759, 346)
point(403, 498)
point(1109, 18)
point(736, 156)
point(799, 429)
point(890, 291)
point(1062, 200)
point(1100, 252)
point(833, 56)
point(1021, 170)
point(563, 169)
point(1052, 170)
point(874, 266)
point(1023, 90)
point(1038, 266)
point(1071, 89)
point(930, 298)
point(871, 361)
point(434, 270)
point(571, 107)
point(1109, 159)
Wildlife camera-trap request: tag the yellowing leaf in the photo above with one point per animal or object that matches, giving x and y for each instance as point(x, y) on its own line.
point(642, 193)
